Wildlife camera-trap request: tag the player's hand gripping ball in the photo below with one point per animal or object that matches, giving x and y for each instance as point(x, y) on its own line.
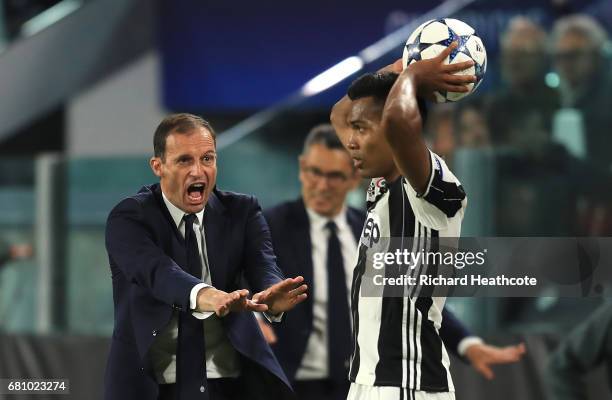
point(432, 37)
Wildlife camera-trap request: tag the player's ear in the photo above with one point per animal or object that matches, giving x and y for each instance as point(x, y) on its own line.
point(155, 163)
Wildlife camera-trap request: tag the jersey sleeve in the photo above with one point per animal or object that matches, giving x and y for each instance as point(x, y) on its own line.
point(443, 200)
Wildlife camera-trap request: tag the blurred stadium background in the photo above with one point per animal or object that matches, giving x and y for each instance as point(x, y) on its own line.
point(83, 83)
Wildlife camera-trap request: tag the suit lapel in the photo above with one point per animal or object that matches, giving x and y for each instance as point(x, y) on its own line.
point(215, 230)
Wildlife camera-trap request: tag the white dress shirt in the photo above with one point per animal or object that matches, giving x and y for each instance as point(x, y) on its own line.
point(221, 358)
point(315, 361)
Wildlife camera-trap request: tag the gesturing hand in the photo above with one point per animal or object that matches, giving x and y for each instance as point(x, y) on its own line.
point(282, 296)
point(482, 356)
point(222, 303)
point(432, 75)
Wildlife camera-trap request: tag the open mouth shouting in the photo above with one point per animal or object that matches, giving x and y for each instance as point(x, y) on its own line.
point(195, 193)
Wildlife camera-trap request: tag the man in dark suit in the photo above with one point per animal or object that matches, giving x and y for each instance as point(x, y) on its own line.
point(178, 251)
point(313, 342)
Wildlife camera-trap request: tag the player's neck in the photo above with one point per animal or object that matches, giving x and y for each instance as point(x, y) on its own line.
point(392, 176)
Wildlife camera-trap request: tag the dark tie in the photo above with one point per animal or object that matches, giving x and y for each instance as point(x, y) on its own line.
point(190, 355)
point(338, 319)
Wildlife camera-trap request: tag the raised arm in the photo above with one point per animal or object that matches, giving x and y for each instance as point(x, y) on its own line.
point(402, 120)
point(339, 119)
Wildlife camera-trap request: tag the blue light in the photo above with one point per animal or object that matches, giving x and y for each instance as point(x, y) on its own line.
point(552, 80)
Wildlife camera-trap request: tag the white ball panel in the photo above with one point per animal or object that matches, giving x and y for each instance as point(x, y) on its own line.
point(477, 49)
point(459, 27)
point(432, 51)
point(416, 32)
point(434, 33)
point(454, 96)
point(461, 57)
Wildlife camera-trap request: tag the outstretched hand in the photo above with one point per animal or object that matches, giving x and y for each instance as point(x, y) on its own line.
point(433, 74)
point(482, 356)
point(222, 303)
point(282, 296)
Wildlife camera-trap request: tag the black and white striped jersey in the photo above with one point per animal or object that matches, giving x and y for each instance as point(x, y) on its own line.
point(395, 339)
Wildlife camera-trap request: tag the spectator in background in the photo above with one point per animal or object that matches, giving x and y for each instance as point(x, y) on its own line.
point(524, 60)
point(439, 131)
point(579, 48)
point(471, 126)
point(14, 252)
point(452, 126)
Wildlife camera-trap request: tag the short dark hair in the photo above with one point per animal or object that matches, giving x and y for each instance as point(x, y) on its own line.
point(378, 85)
point(180, 123)
point(374, 84)
point(323, 134)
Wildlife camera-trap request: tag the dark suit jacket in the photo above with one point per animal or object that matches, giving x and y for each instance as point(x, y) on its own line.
point(290, 228)
point(147, 254)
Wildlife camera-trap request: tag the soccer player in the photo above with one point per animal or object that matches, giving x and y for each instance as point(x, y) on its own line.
point(397, 352)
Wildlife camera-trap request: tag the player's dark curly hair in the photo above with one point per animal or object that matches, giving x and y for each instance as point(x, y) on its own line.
point(378, 85)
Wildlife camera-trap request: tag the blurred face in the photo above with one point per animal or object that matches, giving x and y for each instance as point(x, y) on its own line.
point(443, 135)
point(188, 171)
point(575, 59)
point(327, 176)
point(473, 130)
point(522, 59)
point(368, 147)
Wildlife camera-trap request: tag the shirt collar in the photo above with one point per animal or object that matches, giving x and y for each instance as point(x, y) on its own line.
point(177, 214)
point(318, 221)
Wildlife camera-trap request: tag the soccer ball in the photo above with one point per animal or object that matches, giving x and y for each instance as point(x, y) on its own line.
point(432, 37)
